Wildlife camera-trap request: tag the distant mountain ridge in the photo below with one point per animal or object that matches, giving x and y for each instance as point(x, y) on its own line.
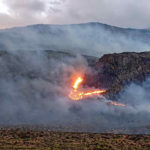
point(92, 38)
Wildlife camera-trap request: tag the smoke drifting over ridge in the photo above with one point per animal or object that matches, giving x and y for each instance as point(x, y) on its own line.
point(34, 90)
point(93, 39)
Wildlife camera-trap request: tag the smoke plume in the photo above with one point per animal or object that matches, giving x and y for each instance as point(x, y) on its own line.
point(34, 91)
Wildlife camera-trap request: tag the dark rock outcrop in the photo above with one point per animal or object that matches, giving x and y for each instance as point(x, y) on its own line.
point(115, 71)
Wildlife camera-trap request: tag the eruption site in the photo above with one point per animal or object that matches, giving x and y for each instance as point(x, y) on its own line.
point(78, 94)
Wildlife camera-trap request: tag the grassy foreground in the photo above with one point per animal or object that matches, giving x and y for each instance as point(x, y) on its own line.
point(31, 139)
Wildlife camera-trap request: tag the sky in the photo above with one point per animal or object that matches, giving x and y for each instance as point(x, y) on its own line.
point(122, 13)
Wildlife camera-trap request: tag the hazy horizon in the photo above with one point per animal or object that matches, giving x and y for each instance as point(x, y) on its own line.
point(17, 26)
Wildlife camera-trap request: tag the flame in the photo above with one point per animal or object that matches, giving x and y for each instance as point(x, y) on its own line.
point(77, 83)
point(76, 94)
point(95, 92)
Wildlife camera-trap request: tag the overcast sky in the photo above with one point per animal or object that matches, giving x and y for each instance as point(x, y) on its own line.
point(123, 13)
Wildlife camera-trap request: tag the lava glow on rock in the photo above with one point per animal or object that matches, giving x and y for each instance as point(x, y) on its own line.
point(79, 94)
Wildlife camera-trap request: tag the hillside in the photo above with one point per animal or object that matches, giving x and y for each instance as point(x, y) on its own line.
point(93, 39)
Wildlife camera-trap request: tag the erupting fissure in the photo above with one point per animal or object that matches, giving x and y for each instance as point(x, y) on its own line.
point(77, 94)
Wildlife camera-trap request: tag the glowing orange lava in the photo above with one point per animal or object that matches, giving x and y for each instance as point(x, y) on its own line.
point(77, 83)
point(77, 94)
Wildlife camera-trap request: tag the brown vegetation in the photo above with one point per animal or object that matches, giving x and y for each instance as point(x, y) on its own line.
point(32, 139)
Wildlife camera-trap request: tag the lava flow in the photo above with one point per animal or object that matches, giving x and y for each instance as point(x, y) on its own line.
point(77, 94)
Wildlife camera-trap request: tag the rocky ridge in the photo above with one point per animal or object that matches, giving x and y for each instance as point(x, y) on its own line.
point(115, 71)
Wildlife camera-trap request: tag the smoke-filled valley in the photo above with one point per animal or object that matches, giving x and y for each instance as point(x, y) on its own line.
point(38, 64)
point(34, 87)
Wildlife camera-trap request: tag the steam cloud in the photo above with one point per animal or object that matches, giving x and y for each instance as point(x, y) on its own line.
point(37, 95)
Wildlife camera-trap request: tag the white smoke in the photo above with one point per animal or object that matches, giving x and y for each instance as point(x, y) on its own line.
point(34, 91)
point(93, 39)
point(33, 88)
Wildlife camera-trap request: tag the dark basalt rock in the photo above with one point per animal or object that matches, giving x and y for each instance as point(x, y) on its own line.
point(115, 71)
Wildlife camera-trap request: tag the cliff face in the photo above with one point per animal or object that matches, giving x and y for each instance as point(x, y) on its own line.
point(115, 71)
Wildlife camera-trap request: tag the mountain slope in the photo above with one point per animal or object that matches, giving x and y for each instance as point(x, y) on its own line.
point(90, 38)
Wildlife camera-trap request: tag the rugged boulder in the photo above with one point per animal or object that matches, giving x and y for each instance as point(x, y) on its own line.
point(115, 71)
